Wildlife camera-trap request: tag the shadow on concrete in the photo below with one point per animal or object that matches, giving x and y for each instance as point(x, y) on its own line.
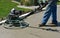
point(45, 28)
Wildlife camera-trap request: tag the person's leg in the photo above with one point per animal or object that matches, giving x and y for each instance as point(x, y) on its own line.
point(46, 15)
point(54, 14)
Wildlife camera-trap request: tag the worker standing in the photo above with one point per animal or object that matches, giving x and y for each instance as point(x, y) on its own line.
point(51, 10)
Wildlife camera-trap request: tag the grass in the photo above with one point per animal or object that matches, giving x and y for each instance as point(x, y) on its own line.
point(6, 6)
point(58, 2)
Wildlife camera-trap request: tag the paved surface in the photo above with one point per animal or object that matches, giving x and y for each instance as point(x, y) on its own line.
point(33, 31)
point(30, 7)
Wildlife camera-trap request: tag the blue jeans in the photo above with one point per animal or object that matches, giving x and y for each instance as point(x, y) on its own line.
point(51, 10)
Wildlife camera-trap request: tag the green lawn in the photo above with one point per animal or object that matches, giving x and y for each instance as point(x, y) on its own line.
point(59, 3)
point(6, 6)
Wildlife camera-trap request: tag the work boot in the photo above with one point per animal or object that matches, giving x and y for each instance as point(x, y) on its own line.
point(41, 25)
point(54, 24)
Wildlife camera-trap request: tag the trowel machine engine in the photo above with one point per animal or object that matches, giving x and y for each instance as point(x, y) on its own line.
point(13, 19)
